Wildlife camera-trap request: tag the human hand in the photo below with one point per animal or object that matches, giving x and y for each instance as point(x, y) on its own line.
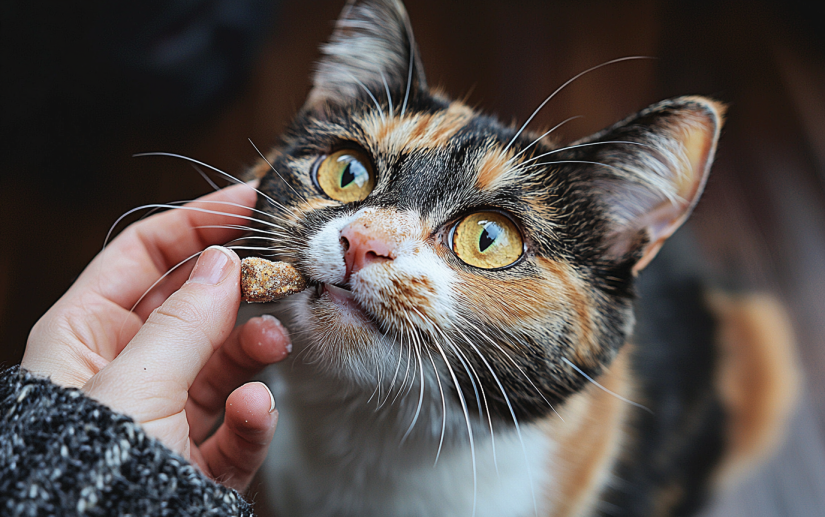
point(174, 362)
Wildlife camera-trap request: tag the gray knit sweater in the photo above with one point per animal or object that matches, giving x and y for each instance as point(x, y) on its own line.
point(62, 453)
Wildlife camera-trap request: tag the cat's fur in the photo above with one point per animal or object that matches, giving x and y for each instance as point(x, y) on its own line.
point(439, 388)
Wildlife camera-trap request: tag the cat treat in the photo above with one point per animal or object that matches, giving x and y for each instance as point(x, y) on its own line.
point(266, 281)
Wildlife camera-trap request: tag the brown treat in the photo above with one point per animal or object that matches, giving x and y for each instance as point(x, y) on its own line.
point(266, 281)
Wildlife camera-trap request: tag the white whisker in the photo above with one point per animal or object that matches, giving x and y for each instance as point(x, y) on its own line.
point(272, 167)
point(206, 178)
point(222, 173)
point(443, 407)
point(374, 100)
point(636, 404)
point(560, 88)
point(463, 408)
point(512, 414)
point(586, 145)
point(534, 142)
point(544, 164)
point(387, 89)
point(513, 361)
point(421, 387)
point(409, 72)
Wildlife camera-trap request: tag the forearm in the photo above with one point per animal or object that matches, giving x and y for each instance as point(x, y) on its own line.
point(63, 453)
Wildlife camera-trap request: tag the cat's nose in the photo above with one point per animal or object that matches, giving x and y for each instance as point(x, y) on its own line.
point(366, 242)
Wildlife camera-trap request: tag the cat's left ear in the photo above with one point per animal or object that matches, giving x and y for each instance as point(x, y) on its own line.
point(652, 168)
point(372, 46)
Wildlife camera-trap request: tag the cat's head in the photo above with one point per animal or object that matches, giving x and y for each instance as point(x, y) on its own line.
point(441, 240)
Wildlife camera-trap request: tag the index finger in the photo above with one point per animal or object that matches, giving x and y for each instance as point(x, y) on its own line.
point(146, 250)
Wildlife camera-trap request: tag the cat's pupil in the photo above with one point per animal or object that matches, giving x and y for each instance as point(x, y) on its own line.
point(488, 236)
point(347, 176)
point(354, 172)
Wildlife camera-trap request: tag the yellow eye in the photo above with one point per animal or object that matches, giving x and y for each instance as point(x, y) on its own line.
point(346, 176)
point(487, 240)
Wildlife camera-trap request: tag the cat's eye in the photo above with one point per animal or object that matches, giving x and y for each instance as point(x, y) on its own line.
point(487, 240)
point(345, 176)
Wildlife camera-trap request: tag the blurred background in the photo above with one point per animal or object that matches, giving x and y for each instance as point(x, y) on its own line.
point(84, 87)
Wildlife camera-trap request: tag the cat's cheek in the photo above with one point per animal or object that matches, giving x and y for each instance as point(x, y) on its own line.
point(327, 255)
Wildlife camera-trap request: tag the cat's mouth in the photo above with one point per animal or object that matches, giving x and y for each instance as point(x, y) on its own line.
point(341, 296)
point(339, 293)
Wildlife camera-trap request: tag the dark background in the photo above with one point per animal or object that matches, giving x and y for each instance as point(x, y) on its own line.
point(85, 87)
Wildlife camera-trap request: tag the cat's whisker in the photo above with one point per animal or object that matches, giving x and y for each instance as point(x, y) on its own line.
point(254, 210)
point(504, 394)
point(249, 229)
point(513, 361)
point(193, 209)
point(406, 370)
point(464, 408)
point(593, 381)
point(510, 408)
point(563, 86)
point(267, 236)
point(271, 250)
point(544, 164)
point(206, 178)
point(537, 140)
point(252, 248)
point(421, 386)
point(585, 145)
point(377, 388)
point(409, 69)
point(272, 168)
point(158, 281)
point(397, 368)
point(414, 365)
point(443, 406)
point(374, 100)
point(226, 175)
point(468, 367)
point(387, 89)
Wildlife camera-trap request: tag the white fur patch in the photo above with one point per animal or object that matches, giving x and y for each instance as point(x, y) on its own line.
point(335, 456)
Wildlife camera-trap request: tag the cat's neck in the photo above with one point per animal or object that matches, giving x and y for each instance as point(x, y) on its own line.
point(351, 456)
point(332, 448)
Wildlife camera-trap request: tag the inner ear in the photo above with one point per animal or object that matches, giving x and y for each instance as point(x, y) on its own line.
point(649, 171)
point(372, 50)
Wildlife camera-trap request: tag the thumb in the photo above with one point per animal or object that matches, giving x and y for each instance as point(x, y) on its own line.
point(150, 378)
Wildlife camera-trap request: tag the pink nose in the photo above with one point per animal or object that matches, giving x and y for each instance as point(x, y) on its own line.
point(364, 245)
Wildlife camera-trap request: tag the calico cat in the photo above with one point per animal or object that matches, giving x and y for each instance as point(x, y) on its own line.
point(468, 345)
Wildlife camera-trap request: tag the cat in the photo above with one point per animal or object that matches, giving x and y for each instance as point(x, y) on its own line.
point(467, 346)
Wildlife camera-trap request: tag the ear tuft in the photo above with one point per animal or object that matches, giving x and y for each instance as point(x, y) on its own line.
point(372, 45)
point(649, 172)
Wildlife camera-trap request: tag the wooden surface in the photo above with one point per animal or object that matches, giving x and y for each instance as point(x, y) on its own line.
point(761, 223)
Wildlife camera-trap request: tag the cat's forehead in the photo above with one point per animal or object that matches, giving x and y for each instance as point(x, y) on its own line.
point(433, 153)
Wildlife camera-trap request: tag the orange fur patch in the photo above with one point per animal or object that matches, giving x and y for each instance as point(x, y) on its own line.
point(418, 130)
point(556, 294)
point(758, 377)
point(312, 204)
point(492, 167)
point(516, 301)
point(588, 440)
point(586, 345)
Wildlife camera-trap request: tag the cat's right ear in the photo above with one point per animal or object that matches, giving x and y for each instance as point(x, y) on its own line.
point(648, 171)
point(372, 46)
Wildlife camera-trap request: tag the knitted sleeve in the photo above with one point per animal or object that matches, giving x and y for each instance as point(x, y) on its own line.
point(62, 453)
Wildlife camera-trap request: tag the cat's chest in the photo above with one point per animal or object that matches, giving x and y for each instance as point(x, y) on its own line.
point(356, 469)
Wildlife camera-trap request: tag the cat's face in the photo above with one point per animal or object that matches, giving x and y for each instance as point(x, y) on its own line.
point(446, 246)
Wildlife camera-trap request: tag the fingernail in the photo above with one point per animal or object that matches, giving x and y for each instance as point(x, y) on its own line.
point(275, 321)
point(271, 397)
point(213, 266)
